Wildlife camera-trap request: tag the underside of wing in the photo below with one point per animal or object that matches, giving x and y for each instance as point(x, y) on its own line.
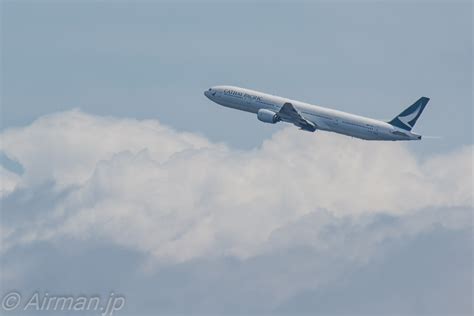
point(288, 113)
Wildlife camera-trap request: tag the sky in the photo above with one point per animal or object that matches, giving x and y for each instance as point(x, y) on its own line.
point(117, 174)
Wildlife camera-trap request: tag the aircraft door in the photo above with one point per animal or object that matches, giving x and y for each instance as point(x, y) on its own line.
point(373, 130)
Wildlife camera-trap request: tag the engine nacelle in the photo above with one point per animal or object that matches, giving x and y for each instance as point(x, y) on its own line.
point(267, 116)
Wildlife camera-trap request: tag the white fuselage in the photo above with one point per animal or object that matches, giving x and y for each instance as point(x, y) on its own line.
point(324, 118)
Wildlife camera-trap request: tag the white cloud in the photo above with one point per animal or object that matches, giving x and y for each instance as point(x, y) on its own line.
point(8, 181)
point(177, 196)
point(65, 147)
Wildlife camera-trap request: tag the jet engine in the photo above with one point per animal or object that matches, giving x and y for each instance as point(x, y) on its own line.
point(267, 116)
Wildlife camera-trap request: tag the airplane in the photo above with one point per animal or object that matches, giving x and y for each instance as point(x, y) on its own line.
point(308, 117)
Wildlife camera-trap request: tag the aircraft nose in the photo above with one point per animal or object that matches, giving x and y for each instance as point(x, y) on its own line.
point(210, 93)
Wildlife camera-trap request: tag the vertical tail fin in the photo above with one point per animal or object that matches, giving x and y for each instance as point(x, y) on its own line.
point(407, 119)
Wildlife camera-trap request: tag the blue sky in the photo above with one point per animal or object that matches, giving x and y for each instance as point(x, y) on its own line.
point(119, 175)
point(154, 59)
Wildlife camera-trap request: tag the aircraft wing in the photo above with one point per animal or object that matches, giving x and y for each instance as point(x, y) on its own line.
point(288, 113)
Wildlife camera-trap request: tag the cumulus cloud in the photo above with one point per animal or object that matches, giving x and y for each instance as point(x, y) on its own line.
point(177, 196)
point(286, 227)
point(8, 181)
